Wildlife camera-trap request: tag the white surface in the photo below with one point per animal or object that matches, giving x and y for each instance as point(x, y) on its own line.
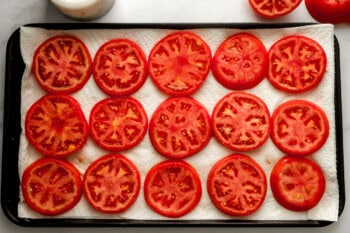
point(16, 13)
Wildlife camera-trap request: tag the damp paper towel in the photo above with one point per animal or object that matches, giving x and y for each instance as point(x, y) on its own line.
point(144, 156)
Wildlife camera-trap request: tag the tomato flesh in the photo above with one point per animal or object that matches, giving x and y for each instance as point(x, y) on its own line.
point(111, 183)
point(297, 184)
point(62, 64)
point(299, 127)
point(51, 187)
point(240, 62)
point(120, 67)
point(179, 63)
point(237, 185)
point(180, 127)
point(172, 188)
point(296, 64)
point(274, 8)
point(241, 121)
point(56, 126)
point(118, 123)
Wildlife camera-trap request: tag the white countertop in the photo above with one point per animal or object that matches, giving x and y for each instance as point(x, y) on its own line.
point(15, 13)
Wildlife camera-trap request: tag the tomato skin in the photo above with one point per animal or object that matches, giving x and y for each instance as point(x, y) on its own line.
point(241, 121)
point(56, 126)
point(329, 11)
point(118, 124)
point(240, 62)
point(111, 183)
point(234, 180)
point(172, 179)
point(120, 67)
point(299, 127)
point(274, 8)
point(56, 182)
point(62, 64)
point(296, 64)
point(180, 127)
point(290, 183)
point(179, 63)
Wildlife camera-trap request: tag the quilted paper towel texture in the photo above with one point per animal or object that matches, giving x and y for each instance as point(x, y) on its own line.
point(144, 156)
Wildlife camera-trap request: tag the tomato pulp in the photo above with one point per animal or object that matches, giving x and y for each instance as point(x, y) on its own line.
point(111, 183)
point(62, 64)
point(297, 184)
point(237, 185)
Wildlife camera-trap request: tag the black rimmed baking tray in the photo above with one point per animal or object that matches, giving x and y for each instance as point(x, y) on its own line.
point(12, 130)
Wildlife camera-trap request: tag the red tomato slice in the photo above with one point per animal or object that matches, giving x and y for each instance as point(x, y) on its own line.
point(172, 188)
point(111, 184)
point(241, 121)
point(56, 126)
point(240, 62)
point(274, 8)
point(297, 64)
point(118, 123)
point(299, 127)
point(180, 127)
point(179, 63)
point(62, 64)
point(51, 186)
point(237, 185)
point(329, 11)
point(297, 184)
point(120, 67)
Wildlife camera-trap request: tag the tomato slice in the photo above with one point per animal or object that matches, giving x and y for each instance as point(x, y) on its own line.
point(180, 127)
point(237, 185)
point(111, 183)
point(172, 188)
point(297, 184)
point(274, 8)
point(118, 124)
point(56, 126)
point(179, 63)
point(297, 64)
point(299, 127)
point(241, 121)
point(62, 64)
point(120, 67)
point(329, 11)
point(240, 62)
point(51, 187)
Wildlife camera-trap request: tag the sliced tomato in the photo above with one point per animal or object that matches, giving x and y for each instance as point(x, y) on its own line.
point(179, 63)
point(241, 121)
point(172, 188)
point(329, 11)
point(237, 185)
point(299, 127)
point(50, 186)
point(180, 127)
point(56, 126)
point(111, 183)
point(62, 64)
point(118, 124)
point(297, 184)
point(296, 64)
point(274, 8)
point(120, 67)
point(240, 62)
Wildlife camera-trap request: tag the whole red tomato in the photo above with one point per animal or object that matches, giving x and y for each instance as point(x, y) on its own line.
point(329, 11)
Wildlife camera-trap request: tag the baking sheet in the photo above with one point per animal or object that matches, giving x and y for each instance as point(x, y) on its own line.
point(12, 130)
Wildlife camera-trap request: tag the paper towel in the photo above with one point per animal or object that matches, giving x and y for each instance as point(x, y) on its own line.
point(144, 156)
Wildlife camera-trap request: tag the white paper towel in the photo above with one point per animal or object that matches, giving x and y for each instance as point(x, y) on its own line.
point(144, 156)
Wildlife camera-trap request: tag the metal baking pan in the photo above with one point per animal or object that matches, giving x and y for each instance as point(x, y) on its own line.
point(11, 135)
